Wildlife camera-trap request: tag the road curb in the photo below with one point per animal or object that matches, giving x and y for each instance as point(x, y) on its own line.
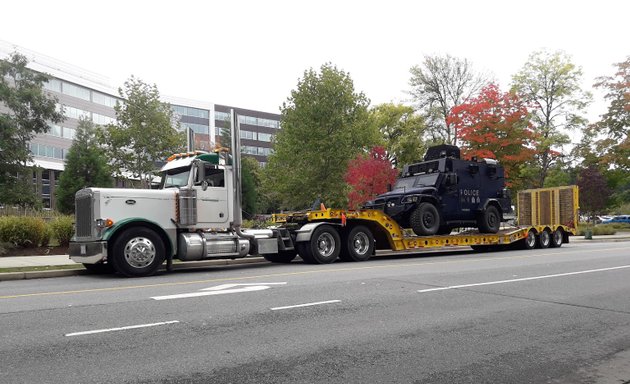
point(8, 276)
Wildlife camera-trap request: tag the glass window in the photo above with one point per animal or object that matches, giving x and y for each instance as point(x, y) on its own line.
point(223, 116)
point(248, 135)
point(53, 85)
point(102, 119)
point(75, 113)
point(76, 91)
point(103, 99)
point(55, 130)
point(69, 133)
point(265, 137)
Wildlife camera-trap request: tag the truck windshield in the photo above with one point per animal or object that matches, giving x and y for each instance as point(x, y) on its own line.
point(408, 183)
point(176, 177)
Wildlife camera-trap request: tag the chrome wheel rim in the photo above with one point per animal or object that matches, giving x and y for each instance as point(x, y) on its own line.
point(139, 252)
point(360, 243)
point(325, 244)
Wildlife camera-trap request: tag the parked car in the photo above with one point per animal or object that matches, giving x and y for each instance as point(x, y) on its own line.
point(618, 219)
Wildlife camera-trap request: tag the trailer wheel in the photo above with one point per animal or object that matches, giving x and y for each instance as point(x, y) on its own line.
point(557, 238)
point(357, 245)
point(139, 251)
point(281, 256)
point(100, 268)
point(490, 220)
point(324, 246)
point(544, 239)
point(425, 220)
point(529, 242)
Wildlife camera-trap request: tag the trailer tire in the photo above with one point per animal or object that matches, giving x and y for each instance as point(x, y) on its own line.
point(425, 220)
point(281, 256)
point(490, 220)
point(100, 268)
point(557, 238)
point(324, 246)
point(357, 244)
point(138, 251)
point(544, 239)
point(529, 242)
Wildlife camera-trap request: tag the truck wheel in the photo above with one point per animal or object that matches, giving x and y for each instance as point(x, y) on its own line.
point(137, 252)
point(425, 220)
point(100, 268)
point(281, 257)
point(357, 245)
point(324, 246)
point(557, 238)
point(490, 220)
point(544, 239)
point(529, 242)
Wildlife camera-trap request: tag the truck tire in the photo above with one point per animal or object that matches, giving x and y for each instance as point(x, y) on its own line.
point(490, 220)
point(425, 220)
point(100, 268)
point(544, 239)
point(281, 256)
point(324, 246)
point(557, 238)
point(529, 242)
point(357, 244)
point(138, 251)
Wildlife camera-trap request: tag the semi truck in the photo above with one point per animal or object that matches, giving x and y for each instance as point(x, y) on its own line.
point(195, 214)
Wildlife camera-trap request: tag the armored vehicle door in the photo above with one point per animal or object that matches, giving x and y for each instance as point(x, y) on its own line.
point(468, 190)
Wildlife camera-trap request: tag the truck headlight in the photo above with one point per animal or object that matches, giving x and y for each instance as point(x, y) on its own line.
point(104, 223)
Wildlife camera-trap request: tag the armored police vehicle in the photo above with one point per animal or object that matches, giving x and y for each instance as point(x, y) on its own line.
point(445, 192)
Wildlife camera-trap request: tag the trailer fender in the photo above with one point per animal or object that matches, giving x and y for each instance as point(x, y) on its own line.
point(304, 234)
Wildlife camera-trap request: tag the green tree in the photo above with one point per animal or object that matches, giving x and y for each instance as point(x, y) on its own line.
point(250, 181)
point(612, 132)
point(143, 133)
point(403, 131)
point(27, 111)
point(550, 84)
point(440, 84)
point(85, 166)
point(325, 123)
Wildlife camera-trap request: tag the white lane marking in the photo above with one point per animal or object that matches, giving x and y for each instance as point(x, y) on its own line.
point(121, 328)
point(306, 305)
point(220, 290)
point(522, 279)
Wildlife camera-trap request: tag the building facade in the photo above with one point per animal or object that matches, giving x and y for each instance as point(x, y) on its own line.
point(84, 94)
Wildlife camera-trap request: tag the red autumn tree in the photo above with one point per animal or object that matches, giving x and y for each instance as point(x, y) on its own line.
point(495, 125)
point(368, 176)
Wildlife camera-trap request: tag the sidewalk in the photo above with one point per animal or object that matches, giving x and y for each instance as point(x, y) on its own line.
point(64, 260)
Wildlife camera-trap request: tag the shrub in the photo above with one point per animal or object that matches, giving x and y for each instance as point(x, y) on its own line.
point(22, 231)
point(46, 236)
point(63, 229)
point(601, 229)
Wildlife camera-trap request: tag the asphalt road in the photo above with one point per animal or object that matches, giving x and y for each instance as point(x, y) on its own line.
point(542, 316)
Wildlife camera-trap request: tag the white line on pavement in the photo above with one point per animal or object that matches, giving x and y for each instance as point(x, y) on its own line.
point(522, 279)
point(121, 328)
point(306, 305)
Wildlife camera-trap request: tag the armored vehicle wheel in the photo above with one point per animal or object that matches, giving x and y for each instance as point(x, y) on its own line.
point(100, 268)
point(490, 220)
point(324, 246)
point(557, 238)
point(281, 257)
point(544, 239)
point(425, 220)
point(357, 245)
point(137, 252)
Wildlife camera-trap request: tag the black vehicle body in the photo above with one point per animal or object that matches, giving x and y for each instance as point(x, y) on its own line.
point(445, 192)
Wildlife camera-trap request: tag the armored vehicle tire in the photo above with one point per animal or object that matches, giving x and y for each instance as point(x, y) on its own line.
point(544, 239)
point(490, 220)
point(557, 238)
point(324, 246)
point(138, 251)
point(425, 220)
point(100, 268)
point(530, 241)
point(281, 257)
point(357, 244)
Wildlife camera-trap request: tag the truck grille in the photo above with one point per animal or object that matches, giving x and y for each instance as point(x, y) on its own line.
point(84, 216)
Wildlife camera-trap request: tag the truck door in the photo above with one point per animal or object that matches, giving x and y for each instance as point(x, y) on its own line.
point(212, 196)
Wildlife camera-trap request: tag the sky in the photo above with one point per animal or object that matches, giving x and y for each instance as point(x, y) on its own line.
point(251, 54)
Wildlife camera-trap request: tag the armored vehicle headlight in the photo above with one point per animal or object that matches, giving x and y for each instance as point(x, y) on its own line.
point(409, 199)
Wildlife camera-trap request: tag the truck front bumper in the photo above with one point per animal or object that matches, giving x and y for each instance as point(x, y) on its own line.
point(91, 252)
